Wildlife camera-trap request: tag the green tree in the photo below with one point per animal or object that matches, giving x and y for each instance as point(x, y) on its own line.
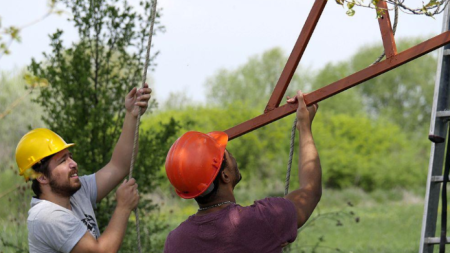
point(253, 82)
point(371, 154)
point(403, 95)
point(348, 102)
point(83, 103)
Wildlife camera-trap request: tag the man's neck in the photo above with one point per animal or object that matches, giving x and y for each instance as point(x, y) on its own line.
point(57, 199)
point(219, 203)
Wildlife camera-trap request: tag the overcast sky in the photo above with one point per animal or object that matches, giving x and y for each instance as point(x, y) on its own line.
point(205, 35)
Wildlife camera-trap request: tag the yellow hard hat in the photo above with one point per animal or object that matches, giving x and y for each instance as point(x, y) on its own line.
point(36, 145)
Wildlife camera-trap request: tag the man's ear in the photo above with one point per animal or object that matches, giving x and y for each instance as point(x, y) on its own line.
point(225, 176)
point(42, 179)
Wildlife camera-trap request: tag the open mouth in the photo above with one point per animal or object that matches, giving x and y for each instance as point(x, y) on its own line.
point(75, 175)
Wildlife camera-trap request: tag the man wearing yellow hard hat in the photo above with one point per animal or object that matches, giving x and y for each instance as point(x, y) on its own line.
point(199, 167)
point(61, 217)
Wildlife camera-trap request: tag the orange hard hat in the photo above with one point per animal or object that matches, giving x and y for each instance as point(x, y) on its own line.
point(193, 162)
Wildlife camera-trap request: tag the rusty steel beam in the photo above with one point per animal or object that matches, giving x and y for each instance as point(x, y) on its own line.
point(296, 55)
point(341, 85)
point(390, 49)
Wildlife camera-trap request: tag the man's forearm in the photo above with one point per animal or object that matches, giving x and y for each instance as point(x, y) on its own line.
point(123, 150)
point(112, 238)
point(310, 174)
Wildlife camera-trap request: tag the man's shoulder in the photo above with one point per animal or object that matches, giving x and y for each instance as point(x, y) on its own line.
point(44, 211)
point(88, 184)
point(87, 180)
point(272, 201)
point(262, 212)
point(42, 208)
point(257, 211)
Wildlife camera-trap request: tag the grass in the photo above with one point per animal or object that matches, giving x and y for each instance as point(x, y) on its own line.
point(388, 220)
point(14, 203)
point(391, 227)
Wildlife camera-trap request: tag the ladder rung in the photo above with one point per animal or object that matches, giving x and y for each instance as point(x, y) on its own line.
point(446, 51)
point(435, 240)
point(438, 179)
point(443, 114)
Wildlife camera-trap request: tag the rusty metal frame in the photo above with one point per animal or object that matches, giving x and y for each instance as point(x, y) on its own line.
point(393, 59)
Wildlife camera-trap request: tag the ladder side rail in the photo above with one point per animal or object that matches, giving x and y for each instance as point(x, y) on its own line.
point(432, 197)
point(438, 134)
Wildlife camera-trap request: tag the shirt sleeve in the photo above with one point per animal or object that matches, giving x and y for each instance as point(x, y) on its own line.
point(281, 217)
point(59, 229)
point(89, 186)
point(166, 244)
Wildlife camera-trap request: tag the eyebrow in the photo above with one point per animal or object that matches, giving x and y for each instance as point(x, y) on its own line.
point(64, 156)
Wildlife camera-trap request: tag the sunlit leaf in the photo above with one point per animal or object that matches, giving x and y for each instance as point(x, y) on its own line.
point(43, 82)
point(350, 5)
point(432, 3)
point(350, 12)
point(34, 81)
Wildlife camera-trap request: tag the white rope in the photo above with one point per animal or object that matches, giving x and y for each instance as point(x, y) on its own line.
point(136, 131)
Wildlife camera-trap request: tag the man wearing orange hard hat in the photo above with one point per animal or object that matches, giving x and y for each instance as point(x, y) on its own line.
point(199, 167)
point(61, 217)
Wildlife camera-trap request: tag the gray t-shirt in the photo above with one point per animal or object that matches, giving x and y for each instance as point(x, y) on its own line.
point(53, 228)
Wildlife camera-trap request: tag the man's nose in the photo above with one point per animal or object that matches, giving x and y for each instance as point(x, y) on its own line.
point(72, 163)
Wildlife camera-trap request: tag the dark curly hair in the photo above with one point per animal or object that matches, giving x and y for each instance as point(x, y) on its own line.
point(41, 167)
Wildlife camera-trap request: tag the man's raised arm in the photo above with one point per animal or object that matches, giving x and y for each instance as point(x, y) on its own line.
point(117, 169)
point(308, 195)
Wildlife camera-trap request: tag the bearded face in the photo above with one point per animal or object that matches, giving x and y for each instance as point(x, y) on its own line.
point(63, 176)
point(65, 189)
point(233, 165)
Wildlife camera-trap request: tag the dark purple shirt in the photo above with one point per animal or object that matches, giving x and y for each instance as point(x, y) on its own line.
point(261, 227)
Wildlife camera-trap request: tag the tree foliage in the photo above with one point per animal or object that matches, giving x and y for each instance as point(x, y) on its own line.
point(253, 82)
point(430, 8)
point(403, 95)
point(370, 154)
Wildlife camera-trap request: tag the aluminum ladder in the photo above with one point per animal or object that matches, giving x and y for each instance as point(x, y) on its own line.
point(440, 116)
